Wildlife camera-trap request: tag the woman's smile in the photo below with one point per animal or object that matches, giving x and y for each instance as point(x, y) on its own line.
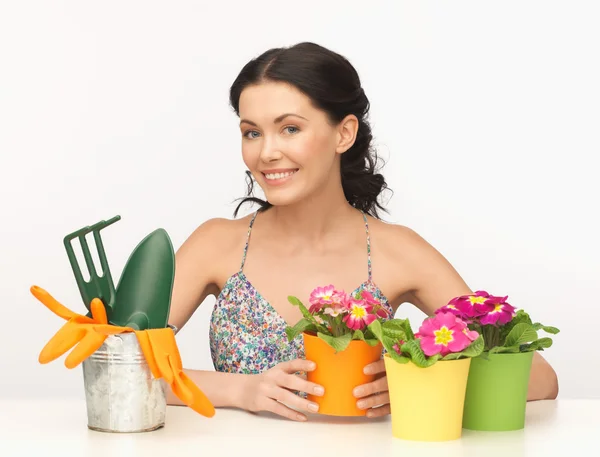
point(276, 177)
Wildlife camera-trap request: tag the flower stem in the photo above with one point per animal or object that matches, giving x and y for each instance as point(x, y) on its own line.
point(491, 336)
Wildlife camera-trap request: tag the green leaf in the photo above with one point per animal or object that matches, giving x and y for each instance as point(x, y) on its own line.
point(408, 329)
point(537, 345)
point(305, 312)
point(418, 357)
point(521, 333)
point(433, 359)
point(375, 327)
point(473, 350)
point(372, 341)
point(368, 334)
point(545, 328)
point(358, 335)
point(301, 326)
point(485, 356)
point(296, 302)
point(521, 317)
point(388, 343)
point(398, 329)
point(399, 358)
point(505, 349)
point(307, 315)
point(338, 343)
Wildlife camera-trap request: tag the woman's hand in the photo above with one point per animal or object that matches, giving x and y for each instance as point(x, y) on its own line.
point(374, 396)
point(273, 389)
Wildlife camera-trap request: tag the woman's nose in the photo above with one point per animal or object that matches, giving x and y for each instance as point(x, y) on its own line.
point(270, 152)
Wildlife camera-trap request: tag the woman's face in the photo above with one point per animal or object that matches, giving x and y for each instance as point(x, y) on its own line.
point(289, 146)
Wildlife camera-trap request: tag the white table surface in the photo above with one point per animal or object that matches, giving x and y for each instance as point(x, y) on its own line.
point(57, 427)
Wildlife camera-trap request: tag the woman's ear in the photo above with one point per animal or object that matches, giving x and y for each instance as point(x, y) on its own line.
point(347, 131)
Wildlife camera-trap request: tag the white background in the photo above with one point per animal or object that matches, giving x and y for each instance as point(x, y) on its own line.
point(487, 114)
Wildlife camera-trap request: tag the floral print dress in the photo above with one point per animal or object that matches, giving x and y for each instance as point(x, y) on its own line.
point(247, 335)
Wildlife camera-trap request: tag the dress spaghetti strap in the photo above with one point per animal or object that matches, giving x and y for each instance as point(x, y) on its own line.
point(247, 241)
point(370, 269)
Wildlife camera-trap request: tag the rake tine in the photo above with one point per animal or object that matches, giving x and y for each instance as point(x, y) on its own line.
point(77, 233)
point(103, 224)
point(93, 288)
point(88, 258)
point(81, 283)
point(102, 255)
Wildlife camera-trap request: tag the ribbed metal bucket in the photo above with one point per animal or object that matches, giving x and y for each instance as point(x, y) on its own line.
point(121, 394)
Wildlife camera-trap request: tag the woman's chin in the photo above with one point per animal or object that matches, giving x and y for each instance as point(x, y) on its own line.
point(283, 197)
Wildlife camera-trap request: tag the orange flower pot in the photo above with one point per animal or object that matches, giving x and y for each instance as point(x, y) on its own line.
point(339, 373)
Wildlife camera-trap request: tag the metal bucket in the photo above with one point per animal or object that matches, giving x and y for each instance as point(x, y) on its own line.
point(122, 395)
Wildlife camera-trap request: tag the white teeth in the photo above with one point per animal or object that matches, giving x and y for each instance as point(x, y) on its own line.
point(279, 175)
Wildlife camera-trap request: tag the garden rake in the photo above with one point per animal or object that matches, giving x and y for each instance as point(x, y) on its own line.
point(101, 287)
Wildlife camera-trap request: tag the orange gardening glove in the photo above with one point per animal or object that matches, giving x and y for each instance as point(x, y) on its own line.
point(158, 345)
point(90, 333)
point(161, 353)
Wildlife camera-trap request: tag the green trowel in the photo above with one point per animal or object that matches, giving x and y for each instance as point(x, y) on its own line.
point(143, 295)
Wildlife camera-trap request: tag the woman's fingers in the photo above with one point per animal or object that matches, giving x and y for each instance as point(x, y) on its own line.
point(299, 384)
point(374, 396)
point(365, 390)
point(379, 411)
point(281, 410)
point(375, 368)
point(293, 400)
point(374, 401)
point(295, 365)
point(275, 390)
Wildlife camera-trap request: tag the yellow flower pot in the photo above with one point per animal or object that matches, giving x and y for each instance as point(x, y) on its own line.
point(427, 403)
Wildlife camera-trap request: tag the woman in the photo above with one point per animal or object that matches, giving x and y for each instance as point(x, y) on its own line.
point(307, 143)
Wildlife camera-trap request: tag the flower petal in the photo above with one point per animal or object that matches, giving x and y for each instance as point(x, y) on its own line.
point(428, 326)
point(471, 334)
point(369, 318)
point(447, 319)
point(315, 308)
point(459, 342)
point(382, 312)
point(429, 347)
point(489, 319)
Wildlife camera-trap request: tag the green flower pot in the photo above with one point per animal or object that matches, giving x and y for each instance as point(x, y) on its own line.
point(496, 395)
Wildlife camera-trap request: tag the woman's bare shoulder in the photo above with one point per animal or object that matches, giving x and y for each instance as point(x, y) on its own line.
point(427, 276)
point(404, 245)
point(216, 234)
point(396, 238)
point(209, 253)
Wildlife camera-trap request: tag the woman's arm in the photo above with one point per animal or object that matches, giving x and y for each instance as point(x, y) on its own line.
point(196, 266)
point(543, 382)
point(224, 390)
point(435, 282)
point(198, 263)
point(195, 280)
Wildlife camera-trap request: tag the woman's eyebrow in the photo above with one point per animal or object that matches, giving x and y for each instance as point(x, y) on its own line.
point(275, 121)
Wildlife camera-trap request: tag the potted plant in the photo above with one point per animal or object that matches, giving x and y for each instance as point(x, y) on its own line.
point(496, 396)
point(427, 374)
point(337, 338)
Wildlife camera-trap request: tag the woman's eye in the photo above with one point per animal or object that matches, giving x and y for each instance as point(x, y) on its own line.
point(251, 134)
point(291, 129)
